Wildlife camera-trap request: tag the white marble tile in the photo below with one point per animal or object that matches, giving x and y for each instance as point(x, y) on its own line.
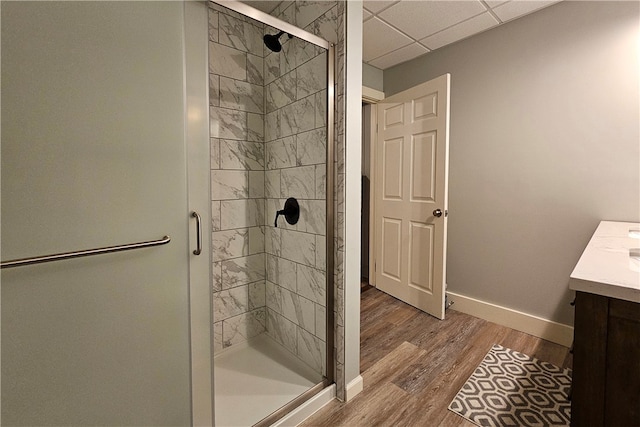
point(298, 182)
point(256, 184)
point(240, 34)
point(228, 62)
point(257, 295)
point(312, 284)
point(255, 127)
point(272, 183)
point(230, 244)
point(229, 184)
point(216, 276)
point(339, 235)
point(240, 271)
point(303, 51)
point(321, 252)
point(243, 96)
point(217, 337)
point(271, 67)
point(272, 240)
point(298, 117)
point(312, 76)
point(298, 247)
point(281, 330)
point(229, 124)
point(340, 192)
point(256, 240)
point(321, 322)
point(313, 214)
point(338, 306)
point(311, 147)
point(297, 309)
point(287, 55)
point(320, 105)
point(325, 26)
point(273, 296)
point(281, 153)
point(282, 272)
point(288, 13)
point(243, 327)
point(214, 150)
point(281, 92)
point(241, 213)
point(215, 215)
point(311, 350)
point(255, 69)
point(272, 126)
point(213, 25)
point(214, 90)
point(242, 155)
point(229, 303)
point(321, 181)
point(308, 11)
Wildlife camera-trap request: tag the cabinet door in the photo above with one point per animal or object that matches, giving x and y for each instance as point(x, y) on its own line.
point(622, 405)
point(589, 360)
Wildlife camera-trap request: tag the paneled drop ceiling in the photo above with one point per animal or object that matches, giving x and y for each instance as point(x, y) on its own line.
point(398, 31)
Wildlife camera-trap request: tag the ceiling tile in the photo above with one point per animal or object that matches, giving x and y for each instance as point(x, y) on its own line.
point(460, 31)
point(398, 56)
point(379, 39)
point(516, 9)
point(366, 14)
point(420, 19)
point(375, 6)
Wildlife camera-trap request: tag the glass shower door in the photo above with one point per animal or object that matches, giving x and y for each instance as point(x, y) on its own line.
point(93, 155)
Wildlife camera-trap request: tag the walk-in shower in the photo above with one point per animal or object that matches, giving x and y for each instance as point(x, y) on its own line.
point(271, 116)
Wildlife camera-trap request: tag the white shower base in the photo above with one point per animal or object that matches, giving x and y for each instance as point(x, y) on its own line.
point(254, 379)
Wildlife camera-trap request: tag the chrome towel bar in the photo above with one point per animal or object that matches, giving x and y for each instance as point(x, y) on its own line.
point(88, 252)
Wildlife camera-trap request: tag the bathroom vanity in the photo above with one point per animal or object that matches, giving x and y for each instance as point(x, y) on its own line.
point(606, 357)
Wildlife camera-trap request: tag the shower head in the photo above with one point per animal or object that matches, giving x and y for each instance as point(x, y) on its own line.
point(272, 41)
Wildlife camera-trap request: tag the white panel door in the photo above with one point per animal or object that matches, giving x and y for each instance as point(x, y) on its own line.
point(94, 155)
point(411, 195)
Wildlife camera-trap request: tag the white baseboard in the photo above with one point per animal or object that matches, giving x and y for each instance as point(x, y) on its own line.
point(308, 408)
point(530, 324)
point(354, 387)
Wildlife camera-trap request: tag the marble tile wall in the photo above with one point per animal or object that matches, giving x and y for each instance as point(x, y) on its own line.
point(262, 153)
point(237, 176)
point(295, 166)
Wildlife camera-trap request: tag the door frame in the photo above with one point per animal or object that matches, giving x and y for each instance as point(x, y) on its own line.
point(371, 97)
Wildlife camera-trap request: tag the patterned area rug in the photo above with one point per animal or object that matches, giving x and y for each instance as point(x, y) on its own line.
point(512, 389)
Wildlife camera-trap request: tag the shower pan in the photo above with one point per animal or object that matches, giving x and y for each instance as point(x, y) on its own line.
point(271, 129)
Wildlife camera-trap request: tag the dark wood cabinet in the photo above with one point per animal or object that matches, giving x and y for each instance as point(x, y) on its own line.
point(606, 362)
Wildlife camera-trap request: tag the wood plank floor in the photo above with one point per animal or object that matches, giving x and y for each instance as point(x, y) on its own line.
point(413, 364)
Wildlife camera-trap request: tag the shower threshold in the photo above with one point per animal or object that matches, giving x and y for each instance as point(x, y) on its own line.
point(255, 379)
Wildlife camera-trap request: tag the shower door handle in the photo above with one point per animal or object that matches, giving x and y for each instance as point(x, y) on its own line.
point(198, 249)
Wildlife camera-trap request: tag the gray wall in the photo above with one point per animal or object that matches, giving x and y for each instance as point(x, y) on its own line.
point(372, 77)
point(543, 145)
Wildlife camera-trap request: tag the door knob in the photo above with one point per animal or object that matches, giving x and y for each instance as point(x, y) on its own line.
point(437, 213)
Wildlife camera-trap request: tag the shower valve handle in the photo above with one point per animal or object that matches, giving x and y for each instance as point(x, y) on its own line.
point(291, 212)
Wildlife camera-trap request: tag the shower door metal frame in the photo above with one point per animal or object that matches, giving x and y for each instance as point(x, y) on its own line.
point(279, 24)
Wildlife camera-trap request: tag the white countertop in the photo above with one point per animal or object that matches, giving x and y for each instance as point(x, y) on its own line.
point(610, 264)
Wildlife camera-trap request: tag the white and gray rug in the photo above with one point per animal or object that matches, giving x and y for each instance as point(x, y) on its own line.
point(512, 389)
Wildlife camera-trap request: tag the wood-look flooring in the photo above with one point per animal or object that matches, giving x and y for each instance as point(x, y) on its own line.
point(413, 364)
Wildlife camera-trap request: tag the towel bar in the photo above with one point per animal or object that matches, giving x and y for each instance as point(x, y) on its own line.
point(78, 254)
